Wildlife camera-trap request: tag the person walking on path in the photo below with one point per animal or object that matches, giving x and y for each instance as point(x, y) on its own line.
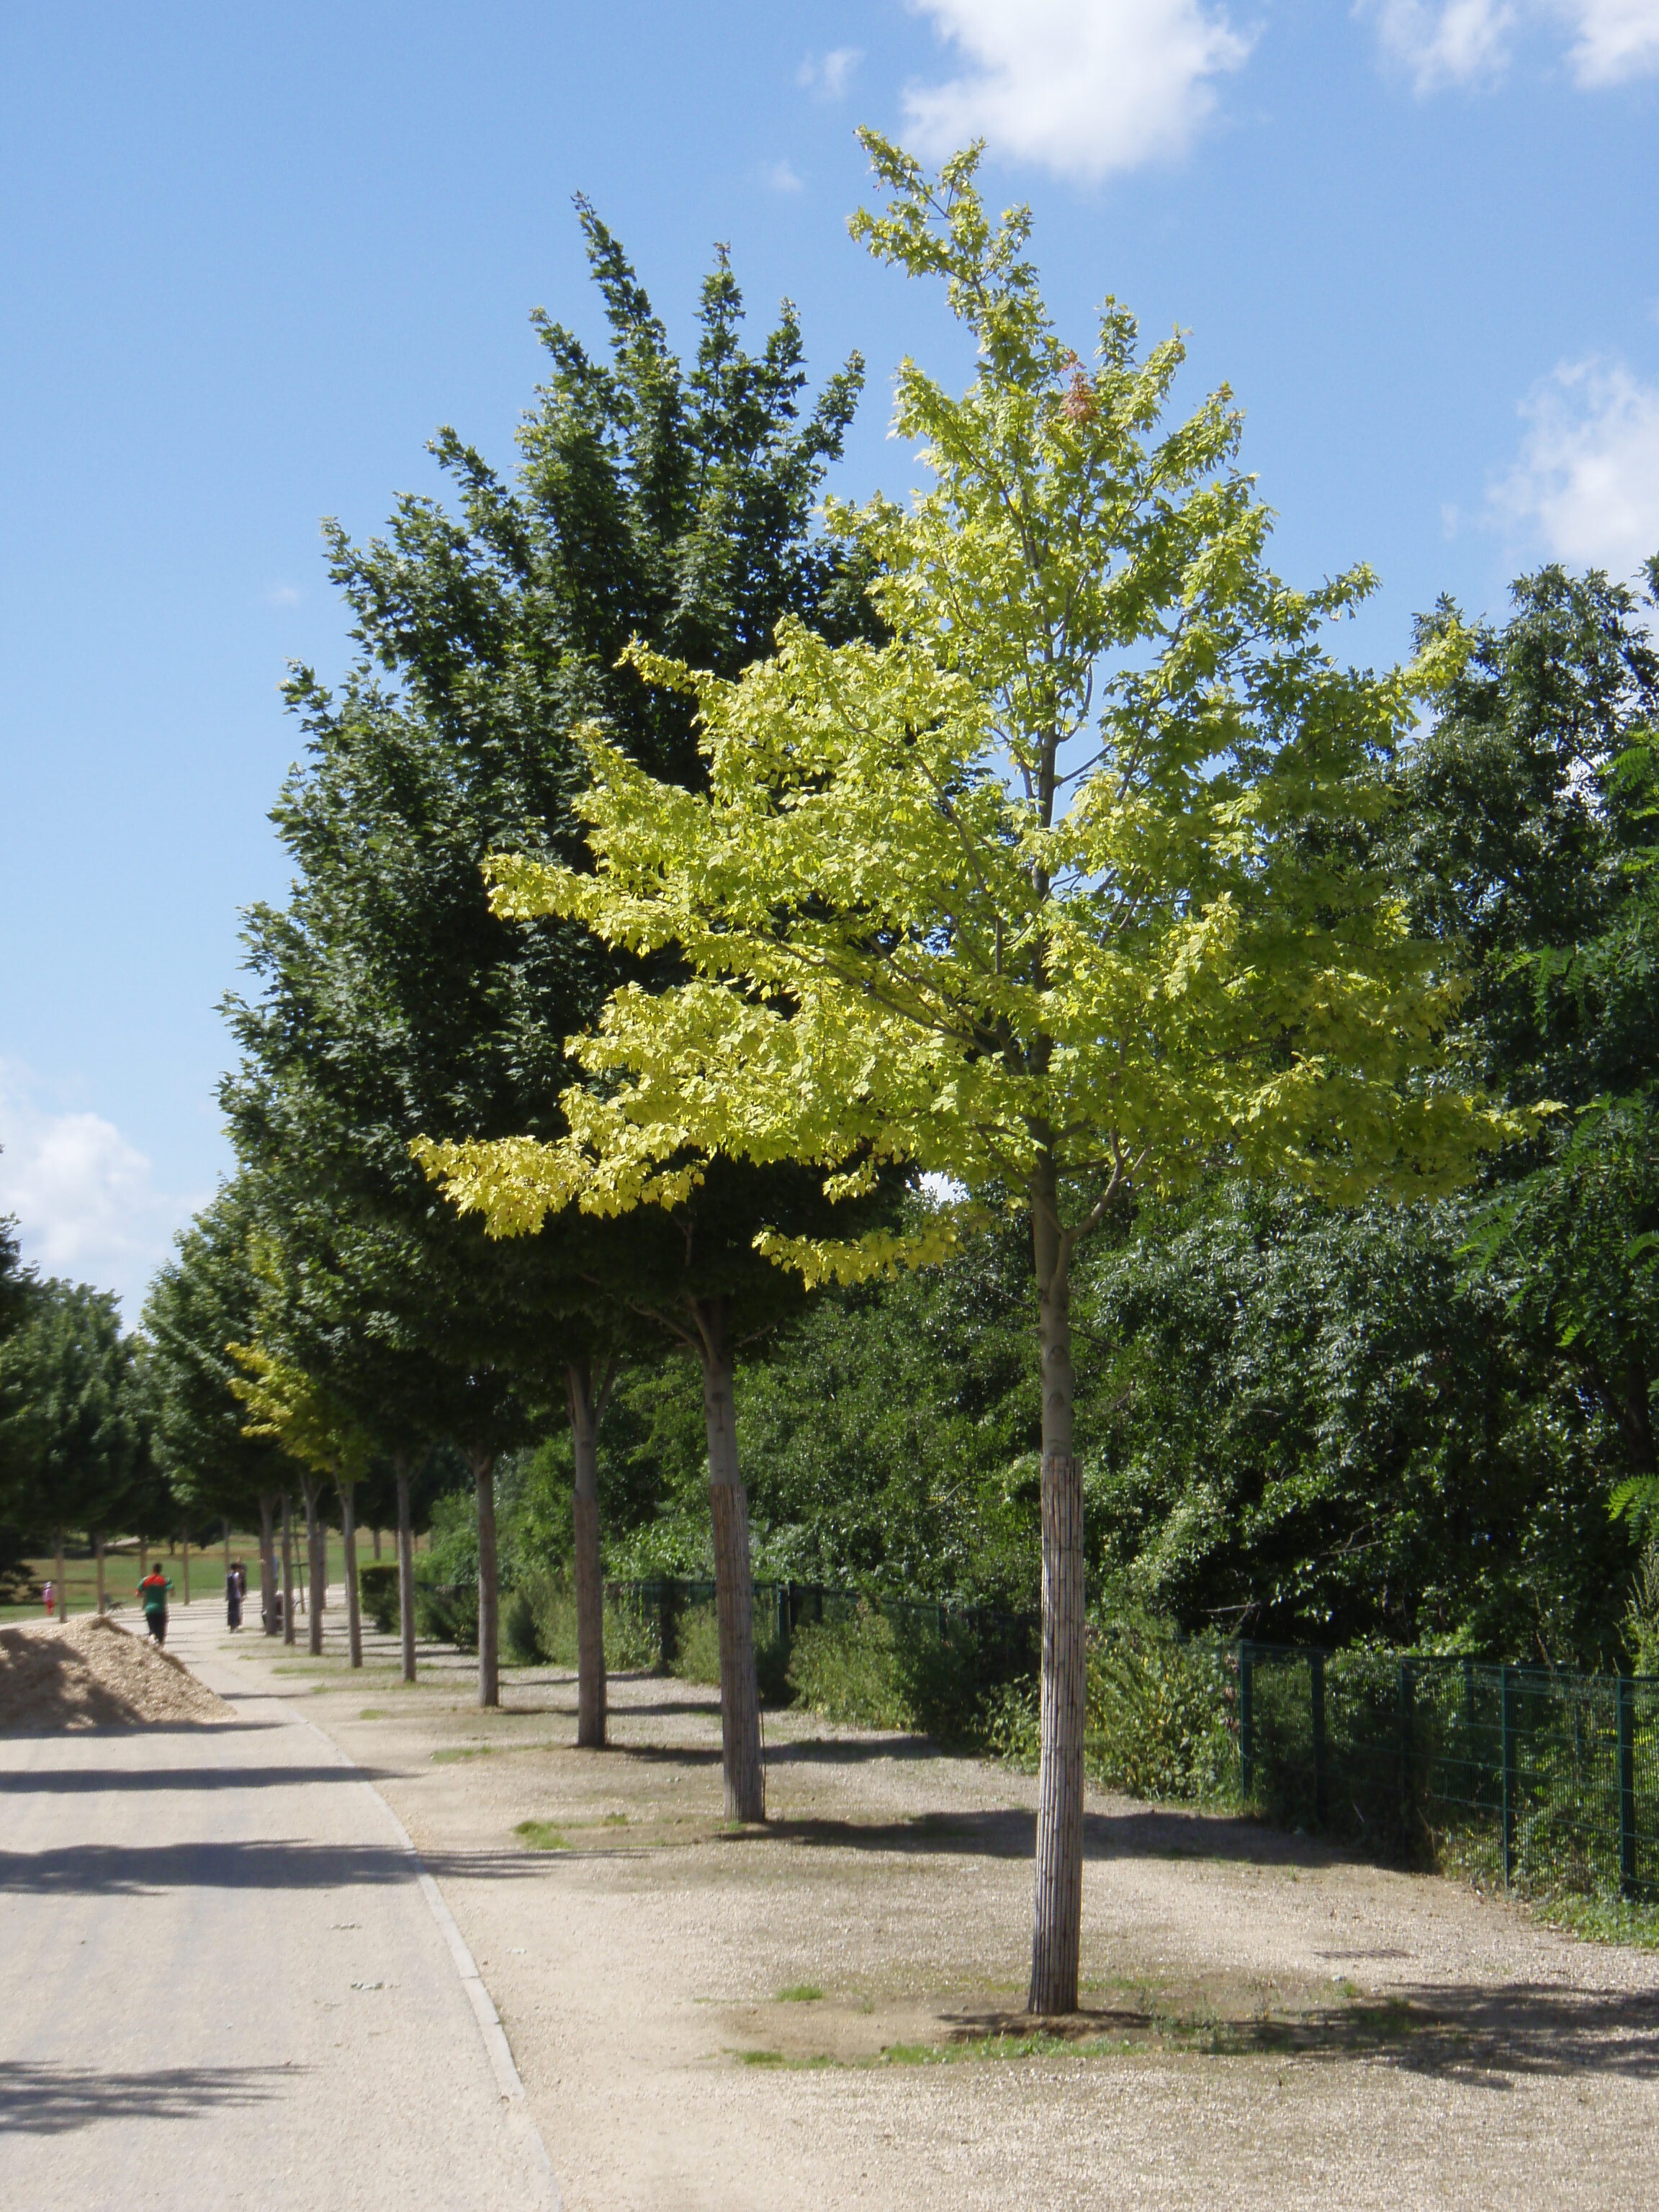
point(49, 1599)
point(233, 1598)
point(153, 1596)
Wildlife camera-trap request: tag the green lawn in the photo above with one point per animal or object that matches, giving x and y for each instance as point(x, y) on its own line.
point(207, 1571)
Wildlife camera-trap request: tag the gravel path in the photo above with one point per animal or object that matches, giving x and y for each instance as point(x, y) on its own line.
point(222, 1985)
point(1269, 2025)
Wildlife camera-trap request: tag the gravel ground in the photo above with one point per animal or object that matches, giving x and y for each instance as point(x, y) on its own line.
point(1267, 2024)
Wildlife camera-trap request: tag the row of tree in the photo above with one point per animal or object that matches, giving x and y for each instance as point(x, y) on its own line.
point(694, 912)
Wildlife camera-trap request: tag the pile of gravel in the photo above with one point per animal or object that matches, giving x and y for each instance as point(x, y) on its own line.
point(87, 1672)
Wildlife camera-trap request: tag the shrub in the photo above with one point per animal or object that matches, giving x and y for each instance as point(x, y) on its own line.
point(1158, 1713)
point(630, 1642)
point(520, 1631)
point(697, 1654)
point(448, 1614)
point(377, 1592)
point(849, 1670)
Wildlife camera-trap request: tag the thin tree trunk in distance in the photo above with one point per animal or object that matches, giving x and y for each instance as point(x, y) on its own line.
point(63, 1586)
point(374, 1534)
point(98, 1554)
point(267, 1563)
point(590, 1590)
point(315, 1563)
point(348, 1542)
point(1056, 1938)
point(187, 1554)
point(226, 1544)
point(287, 1574)
point(405, 1566)
point(489, 1667)
point(734, 1596)
point(143, 1557)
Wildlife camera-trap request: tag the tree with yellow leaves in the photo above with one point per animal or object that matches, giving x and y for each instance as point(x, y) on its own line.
point(1063, 894)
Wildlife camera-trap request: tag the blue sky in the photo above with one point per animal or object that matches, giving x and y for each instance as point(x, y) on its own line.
point(251, 258)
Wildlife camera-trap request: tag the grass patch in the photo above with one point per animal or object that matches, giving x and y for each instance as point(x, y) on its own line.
point(374, 1713)
point(761, 2058)
point(1603, 1919)
point(540, 1836)
point(801, 1993)
point(456, 1753)
point(613, 1819)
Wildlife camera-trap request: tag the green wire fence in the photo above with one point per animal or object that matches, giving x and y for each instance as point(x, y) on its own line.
point(1536, 1777)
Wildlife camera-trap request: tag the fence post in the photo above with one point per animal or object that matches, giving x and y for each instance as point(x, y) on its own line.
point(1316, 1699)
point(783, 1616)
point(1506, 1730)
point(1626, 1785)
point(1246, 1720)
point(665, 1636)
point(1407, 1688)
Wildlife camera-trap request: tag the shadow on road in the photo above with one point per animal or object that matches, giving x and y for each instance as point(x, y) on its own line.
point(140, 1870)
point(50, 2100)
point(71, 1781)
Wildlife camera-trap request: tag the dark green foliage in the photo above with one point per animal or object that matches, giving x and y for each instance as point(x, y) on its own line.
point(71, 1433)
point(377, 1591)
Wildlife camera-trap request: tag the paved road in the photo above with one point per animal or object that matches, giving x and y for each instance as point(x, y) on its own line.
point(222, 1983)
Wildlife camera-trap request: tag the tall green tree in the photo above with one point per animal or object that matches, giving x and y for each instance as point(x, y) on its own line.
point(68, 1416)
point(1061, 894)
point(654, 498)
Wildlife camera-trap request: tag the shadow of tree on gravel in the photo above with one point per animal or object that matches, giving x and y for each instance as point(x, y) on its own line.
point(71, 1781)
point(1485, 2035)
point(50, 2100)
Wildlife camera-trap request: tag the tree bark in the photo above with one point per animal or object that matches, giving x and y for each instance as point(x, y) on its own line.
point(185, 1547)
point(98, 1554)
point(374, 1538)
point(63, 1586)
point(267, 1562)
point(316, 1564)
point(287, 1573)
point(483, 1464)
point(348, 1543)
point(226, 1544)
point(405, 1566)
point(1056, 1937)
point(590, 1588)
point(143, 1557)
point(734, 1597)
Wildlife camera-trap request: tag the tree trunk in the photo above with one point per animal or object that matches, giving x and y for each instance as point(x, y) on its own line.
point(98, 1554)
point(186, 1555)
point(143, 1557)
point(348, 1542)
point(227, 1544)
point(63, 1586)
point(483, 1464)
point(287, 1574)
point(734, 1597)
point(1057, 1939)
point(590, 1589)
point(267, 1562)
point(374, 1538)
point(316, 1563)
point(405, 1566)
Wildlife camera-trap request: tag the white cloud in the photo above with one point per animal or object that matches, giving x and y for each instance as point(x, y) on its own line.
point(284, 595)
point(85, 1198)
point(1460, 41)
point(829, 75)
point(1084, 87)
point(782, 177)
point(1586, 486)
point(1617, 38)
point(1452, 43)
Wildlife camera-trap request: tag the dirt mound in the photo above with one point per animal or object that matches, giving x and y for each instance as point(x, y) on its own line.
point(88, 1673)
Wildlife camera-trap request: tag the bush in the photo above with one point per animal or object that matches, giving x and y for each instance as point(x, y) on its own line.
point(630, 1642)
point(849, 1670)
point(377, 1593)
point(697, 1654)
point(520, 1632)
point(1158, 1713)
point(448, 1614)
